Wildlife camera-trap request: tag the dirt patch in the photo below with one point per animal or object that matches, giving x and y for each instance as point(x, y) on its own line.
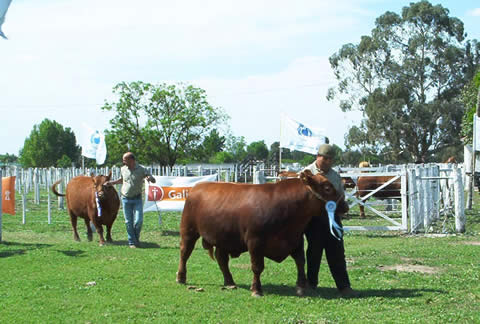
point(472, 243)
point(410, 268)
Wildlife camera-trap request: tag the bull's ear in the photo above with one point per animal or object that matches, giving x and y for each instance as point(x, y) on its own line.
point(305, 175)
point(109, 175)
point(92, 175)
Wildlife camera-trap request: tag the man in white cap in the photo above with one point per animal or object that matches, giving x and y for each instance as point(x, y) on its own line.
point(318, 232)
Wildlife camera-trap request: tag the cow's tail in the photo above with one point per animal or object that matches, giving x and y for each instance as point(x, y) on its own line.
point(54, 189)
point(209, 247)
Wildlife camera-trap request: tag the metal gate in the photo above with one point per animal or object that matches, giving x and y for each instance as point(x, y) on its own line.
point(370, 205)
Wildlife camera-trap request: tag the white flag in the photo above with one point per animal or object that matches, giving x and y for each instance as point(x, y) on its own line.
point(93, 145)
point(297, 136)
point(3, 11)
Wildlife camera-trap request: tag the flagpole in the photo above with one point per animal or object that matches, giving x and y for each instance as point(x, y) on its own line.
point(280, 146)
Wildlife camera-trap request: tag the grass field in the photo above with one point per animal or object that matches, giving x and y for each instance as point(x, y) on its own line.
point(46, 277)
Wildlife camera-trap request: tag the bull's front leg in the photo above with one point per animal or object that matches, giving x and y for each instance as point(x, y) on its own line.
point(89, 229)
point(299, 256)
point(222, 260)
point(109, 232)
point(187, 244)
point(99, 229)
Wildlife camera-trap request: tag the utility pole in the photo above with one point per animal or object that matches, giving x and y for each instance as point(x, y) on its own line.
point(472, 176)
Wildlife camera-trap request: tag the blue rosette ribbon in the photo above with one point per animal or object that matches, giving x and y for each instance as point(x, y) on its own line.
point(335, 229)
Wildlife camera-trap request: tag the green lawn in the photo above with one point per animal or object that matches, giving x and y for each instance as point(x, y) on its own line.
point(49, 278)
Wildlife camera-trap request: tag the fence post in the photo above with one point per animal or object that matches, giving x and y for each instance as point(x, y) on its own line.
point(415, 222)
point(460, 218)
point(419, 188)
point(404, 198)
point(24, 204)
point(49, 204)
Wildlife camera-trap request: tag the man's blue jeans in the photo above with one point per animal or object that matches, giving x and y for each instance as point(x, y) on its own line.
point(133, 212)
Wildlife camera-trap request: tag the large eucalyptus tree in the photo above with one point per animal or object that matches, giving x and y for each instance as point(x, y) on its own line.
point(406, 77)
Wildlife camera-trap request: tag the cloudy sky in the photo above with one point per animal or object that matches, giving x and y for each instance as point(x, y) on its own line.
point(255, 58)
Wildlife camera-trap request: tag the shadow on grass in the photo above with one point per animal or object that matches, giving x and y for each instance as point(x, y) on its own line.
point(332, 293)
point(143, 245)
point(22, 248)
point(170, 233)
point(75, 253)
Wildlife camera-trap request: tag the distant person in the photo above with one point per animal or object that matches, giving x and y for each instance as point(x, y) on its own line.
point(132, 178)
point(318, 233)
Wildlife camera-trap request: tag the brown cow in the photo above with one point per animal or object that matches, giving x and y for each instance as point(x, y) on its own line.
point(364, 164)
point(81, 194)
point(451, 159)
point(286, 175)
point(366, 185)
point(267, 220)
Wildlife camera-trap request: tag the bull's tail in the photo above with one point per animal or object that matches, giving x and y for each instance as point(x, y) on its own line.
point(54, 189)
point(209, 247)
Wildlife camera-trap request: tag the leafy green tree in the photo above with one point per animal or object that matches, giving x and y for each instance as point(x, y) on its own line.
point(221, 157)
point(405, 78)
point(64, 162)
point(236, 146)
point(47, 144)
point(212, 144)
point(258, 150)
point(161, 123)
point(8, 158)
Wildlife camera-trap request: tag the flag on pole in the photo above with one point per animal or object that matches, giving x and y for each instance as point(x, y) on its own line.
point(299, 137)
point(93, 145)
point(8, 195)
point(3, 11)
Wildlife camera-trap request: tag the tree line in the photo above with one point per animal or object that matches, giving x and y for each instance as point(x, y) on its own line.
point(415, 78)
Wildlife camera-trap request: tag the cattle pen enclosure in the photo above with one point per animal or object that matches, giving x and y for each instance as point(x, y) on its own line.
point(47, 277)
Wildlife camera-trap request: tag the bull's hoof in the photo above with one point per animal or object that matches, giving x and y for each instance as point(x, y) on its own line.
point(257, 294)
point(181, 279)
point(229, 287)
point(101, 244)
point(300, 291)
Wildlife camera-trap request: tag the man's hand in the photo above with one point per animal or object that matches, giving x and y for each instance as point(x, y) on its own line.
point(151, 179)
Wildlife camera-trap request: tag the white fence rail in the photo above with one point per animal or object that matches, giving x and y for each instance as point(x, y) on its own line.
point(429, 193)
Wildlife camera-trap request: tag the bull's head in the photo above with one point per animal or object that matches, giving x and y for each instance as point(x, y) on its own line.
point(319, 186)
point(99, 184)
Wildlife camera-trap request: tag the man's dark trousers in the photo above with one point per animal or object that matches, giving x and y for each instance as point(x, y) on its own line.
point(319, 238)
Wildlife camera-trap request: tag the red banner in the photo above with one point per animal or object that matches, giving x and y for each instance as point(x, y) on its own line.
point(8, 195)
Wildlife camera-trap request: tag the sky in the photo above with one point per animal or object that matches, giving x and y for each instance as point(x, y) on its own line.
point(256, 59)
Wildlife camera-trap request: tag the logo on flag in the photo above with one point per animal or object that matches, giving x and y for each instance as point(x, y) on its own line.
point(299, 137)
point(4, 4)
point(302, 130)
